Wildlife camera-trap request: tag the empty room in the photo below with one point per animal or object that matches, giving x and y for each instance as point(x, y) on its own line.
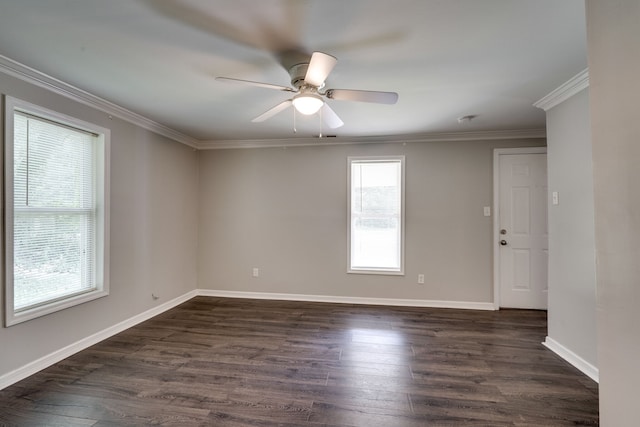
point(319, 213)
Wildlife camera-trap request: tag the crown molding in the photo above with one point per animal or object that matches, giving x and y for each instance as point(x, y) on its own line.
point(564, 92)
point(40, 79)
point(37, 78)
point(384, 139)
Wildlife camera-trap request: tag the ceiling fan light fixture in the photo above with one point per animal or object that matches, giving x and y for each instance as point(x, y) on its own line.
point(307, 103)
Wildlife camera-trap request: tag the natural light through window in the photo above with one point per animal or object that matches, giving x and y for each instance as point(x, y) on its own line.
point(55, 192)
point(376, 226)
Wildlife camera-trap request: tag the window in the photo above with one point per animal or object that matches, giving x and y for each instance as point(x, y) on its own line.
point(56, 227)
point(376, 215)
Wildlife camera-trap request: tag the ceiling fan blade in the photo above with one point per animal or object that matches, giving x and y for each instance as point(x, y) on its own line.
point(362, 96)
point(319, 68)
point(330, 118)
point(272, 111)
point(258, 84)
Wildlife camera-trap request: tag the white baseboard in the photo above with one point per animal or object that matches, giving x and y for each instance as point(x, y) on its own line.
point(58, 355)
point(585, 367)
point(349, 300)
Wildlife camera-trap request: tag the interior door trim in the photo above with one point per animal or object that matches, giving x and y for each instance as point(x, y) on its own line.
point(497, 152)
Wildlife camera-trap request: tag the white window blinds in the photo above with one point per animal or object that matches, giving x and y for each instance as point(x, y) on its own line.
point(54, 211)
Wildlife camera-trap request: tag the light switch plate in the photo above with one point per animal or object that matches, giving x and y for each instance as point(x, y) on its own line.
point(487, 211)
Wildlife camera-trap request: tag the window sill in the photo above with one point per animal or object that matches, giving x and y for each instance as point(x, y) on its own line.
point(13, 318)
point(376, 272)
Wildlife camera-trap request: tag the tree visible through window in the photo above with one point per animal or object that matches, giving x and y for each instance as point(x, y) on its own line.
point(56, 215)
point(376, 215)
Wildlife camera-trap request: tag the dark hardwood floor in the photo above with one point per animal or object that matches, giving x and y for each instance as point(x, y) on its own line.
point(234, 362)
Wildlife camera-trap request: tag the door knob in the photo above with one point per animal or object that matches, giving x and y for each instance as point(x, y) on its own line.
point(503, 242)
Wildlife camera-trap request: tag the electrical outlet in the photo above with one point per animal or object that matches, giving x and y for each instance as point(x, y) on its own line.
point(421, 279)
point(256, 272)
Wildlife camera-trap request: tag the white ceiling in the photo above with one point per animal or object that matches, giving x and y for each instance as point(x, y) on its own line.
point(445, 58)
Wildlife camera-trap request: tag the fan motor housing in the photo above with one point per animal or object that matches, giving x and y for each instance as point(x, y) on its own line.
point(298, 73)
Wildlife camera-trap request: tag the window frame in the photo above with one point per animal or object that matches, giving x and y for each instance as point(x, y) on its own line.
point(102, 195)
point(376, 159)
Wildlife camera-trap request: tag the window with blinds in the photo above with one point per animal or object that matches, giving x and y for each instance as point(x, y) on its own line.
point(57, 219)
point(376, 215)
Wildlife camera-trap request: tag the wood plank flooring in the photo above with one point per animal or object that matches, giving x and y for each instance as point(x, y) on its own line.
point(237, 362)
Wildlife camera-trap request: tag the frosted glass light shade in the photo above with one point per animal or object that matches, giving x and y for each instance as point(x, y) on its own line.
point(307, 104)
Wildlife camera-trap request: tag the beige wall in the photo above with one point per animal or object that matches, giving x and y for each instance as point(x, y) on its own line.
point(284, 212)
point(572, 277)
point(614, 66)
point(281, 210)
point(153, 232)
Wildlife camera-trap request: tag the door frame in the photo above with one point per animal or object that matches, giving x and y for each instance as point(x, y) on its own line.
point(497, 152)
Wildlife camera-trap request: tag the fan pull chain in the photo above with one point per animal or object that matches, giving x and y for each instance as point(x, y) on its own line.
point(320, 111)
point(294, 121)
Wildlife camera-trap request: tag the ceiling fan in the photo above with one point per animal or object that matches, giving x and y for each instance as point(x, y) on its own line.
point(308, 81)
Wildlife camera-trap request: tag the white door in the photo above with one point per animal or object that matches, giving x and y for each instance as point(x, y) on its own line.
point(522, 234)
